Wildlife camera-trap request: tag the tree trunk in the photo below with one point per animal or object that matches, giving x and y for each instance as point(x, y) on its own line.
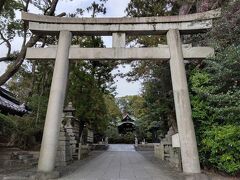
point(203, 5)
point(2, 2)
point(206, 5)
point(185, 8)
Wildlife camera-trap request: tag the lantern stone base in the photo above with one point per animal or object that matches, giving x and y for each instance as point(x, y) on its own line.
point(64, 152)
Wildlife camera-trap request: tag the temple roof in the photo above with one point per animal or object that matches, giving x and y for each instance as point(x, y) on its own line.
point(126, 125)
point(10, 105)
point(128, 118)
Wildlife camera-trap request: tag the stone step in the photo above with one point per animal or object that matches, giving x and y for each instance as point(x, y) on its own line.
point(25, 156)
point(15, 178)
point(30, 161)
point(11, 163)
point(75, 155)
point(6, 156)
point(9, 149)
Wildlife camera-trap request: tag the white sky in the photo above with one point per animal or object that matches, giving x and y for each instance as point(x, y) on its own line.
point(115, 8)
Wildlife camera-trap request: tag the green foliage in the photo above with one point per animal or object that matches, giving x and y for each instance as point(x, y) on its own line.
point(113, 111)
point(216, 110)
point(114, 137)
point(112, 134)
point(97, 8)
point(214, 83)
point(91, 83)
point(87, 98)
point(146, 8)
point(222, 146)
point(7, 126)
point(20, 131)
point(226, 31)
point(128, 138)
point(148, 111)
point(217, 84)
point(133, 105)
point(9, 25)
point(26, 132)
point(215, 93)
point(157, 89)
point(158, 101)
point(34, 90)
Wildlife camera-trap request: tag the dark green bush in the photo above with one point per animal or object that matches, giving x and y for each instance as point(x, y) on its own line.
point(221, 145)
point(115, 138)
point(215, 90)
point(7, 126)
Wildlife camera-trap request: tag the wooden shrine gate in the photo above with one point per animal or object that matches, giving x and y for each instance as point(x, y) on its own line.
point(118, 28)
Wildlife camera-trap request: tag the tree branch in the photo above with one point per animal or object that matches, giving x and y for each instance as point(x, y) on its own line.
point(2, 2)
point(185, 8)
point(26, 6)
point(6, 59)
point(52, 8)
point(8, 44)
point(14, 67)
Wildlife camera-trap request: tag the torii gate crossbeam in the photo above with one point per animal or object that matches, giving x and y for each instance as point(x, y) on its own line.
point(119, 28)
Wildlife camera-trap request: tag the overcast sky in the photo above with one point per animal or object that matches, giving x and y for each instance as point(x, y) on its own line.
point(115, 8)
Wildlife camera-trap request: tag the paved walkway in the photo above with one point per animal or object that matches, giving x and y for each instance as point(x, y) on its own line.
point(121, 147)
point(122, 162)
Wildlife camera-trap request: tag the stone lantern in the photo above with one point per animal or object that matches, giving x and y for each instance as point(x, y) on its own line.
point(69, 112)
point(69, 126)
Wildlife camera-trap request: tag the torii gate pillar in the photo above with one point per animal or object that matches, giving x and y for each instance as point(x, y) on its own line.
point(189, 152)
point(49, 145)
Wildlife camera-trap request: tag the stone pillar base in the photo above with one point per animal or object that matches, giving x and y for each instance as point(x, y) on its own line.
point(45, 175)
point(197, 176)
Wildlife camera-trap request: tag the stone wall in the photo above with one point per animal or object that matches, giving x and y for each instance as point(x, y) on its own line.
point(165, 151)
point(144, 147)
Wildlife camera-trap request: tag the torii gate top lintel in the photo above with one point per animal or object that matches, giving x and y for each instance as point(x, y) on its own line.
point(118, 28)
point(191, 23)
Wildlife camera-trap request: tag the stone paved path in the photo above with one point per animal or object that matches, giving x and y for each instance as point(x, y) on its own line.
point(121, 162)
point(121, 147)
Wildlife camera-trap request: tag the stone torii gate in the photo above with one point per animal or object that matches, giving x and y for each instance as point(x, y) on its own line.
point(118, 28)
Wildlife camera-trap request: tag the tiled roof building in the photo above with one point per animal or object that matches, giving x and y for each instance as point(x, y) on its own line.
point(127, 125)
point(9, 104)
